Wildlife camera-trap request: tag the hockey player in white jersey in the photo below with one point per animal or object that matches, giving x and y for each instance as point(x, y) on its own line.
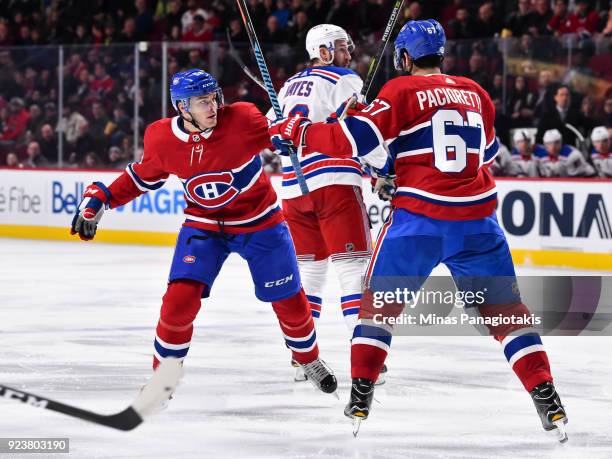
point(331, 221)
point(526, 156)
point(601, 155)
point(562, 160)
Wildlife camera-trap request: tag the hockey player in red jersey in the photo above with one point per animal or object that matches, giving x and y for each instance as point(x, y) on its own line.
point(231, 208)
point(331, 221)
point(438, 132)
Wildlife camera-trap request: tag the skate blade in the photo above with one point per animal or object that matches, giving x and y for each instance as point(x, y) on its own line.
point(380, 381)
point(357, 418)
point(560, 431)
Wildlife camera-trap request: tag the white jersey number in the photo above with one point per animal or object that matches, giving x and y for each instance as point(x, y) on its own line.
point(379, 105)
point(451, 150)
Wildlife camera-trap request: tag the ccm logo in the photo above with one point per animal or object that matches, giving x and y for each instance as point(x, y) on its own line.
point(278, 282)
point(189, 259)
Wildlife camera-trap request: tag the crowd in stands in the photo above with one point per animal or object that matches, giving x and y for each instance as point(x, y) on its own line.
point(546, 64)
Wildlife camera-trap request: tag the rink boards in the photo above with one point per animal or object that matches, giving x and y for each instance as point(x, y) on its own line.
point(553, 222)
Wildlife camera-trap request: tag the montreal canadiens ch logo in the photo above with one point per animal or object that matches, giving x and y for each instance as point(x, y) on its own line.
point(211, 190)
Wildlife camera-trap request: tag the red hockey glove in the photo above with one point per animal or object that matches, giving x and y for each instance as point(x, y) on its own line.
point(288, 132)
point(90, 210)
point(349, 107)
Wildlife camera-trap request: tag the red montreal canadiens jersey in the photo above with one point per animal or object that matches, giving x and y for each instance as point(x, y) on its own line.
point(438, 132)
point(221, 171)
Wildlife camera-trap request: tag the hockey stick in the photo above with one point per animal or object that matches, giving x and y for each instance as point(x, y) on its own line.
point(234, 55)
point(267, 80)
point(578, 134)
point(162, 384)
point(375, 62)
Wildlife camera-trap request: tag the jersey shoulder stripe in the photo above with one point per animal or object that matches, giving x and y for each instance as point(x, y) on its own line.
point(339, 71)
point(329, 77)
point(330, 74)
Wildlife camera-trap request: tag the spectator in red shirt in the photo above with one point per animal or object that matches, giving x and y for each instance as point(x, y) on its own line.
point(16, 122)
point(584, 19)
point(103, 84)
point(200, 30)
point(12, 161)
point(97, 34)
point(76, 65)
point(581, 21)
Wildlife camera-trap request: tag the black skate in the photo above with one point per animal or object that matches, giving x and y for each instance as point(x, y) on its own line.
point(381, 376)
point(358, 407)
point(551, 411)
point(321, 376)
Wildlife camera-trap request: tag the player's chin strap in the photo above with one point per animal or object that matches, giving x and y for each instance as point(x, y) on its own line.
point(192, 121)
point(409, 70)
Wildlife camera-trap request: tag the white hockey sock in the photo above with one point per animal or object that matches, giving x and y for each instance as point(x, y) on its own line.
point(313, 274)
point(350, 274)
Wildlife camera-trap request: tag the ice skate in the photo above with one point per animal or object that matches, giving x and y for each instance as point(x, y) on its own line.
point(551, 411)
point(163, 404)
point(358, 407)
point(299, 375)
point(381, 376)
point(321, 376)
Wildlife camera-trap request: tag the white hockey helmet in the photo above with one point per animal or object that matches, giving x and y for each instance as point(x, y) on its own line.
point(326, 35)
point(521, 136)
point(599, 133)
point(552, 135)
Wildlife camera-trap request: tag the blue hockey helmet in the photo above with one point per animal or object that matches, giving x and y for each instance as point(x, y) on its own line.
point(193, 83)
point(419, 39)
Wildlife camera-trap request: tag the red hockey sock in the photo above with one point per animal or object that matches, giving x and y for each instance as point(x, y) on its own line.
point(527, 357)
point(297, 324)
point(180, 305)
point(366, 361)
point(522, 345)
point(371, 339)
point(533, 369)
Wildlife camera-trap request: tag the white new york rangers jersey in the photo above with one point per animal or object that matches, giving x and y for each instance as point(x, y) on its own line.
point(316, 92)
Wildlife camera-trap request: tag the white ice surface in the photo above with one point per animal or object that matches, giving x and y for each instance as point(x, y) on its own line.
point(77, 323)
